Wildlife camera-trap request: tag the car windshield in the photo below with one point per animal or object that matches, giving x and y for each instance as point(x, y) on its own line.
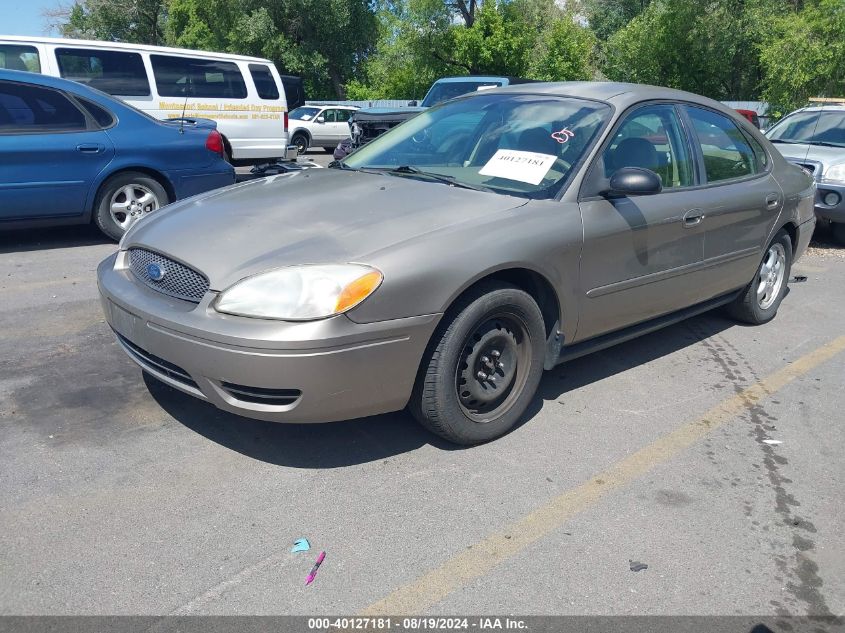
point(517, 145)
point(446, 90)
point(814, 127)
point(304, 113)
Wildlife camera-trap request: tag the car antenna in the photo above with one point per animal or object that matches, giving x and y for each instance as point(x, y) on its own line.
point(815, 127)
point(188, 86)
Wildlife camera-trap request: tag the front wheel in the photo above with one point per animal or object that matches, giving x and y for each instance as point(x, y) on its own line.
point(124, 199)
point(760, 300)
point(301, 142)
point(483, 366)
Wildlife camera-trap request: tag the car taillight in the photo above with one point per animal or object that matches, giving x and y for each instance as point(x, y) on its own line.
point(286, 121)
point(214, 142)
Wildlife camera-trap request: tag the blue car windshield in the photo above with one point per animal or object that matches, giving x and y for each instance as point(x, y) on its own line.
point(522, 145)
point(445, 90)
point(814, 127)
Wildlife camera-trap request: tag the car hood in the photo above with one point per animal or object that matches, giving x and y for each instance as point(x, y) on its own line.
point(817, 153)
point(311, 216)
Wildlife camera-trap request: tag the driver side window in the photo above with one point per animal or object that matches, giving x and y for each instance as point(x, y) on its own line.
point(652, 138)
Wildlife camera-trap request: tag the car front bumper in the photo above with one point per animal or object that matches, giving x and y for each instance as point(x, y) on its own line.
point(830, 212)
point(317, 371)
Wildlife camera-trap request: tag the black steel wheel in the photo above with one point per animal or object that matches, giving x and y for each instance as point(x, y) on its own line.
point(483, 365)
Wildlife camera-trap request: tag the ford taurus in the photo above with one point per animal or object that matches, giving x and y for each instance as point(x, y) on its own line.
point(445, 265)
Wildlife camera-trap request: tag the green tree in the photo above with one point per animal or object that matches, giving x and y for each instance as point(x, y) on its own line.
point(805, 55)
point(710, 48)
point(136, 21)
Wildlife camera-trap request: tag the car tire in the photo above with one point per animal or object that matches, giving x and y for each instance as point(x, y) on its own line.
point(496, 330)
point(760, 300)
point(838, 230)
point(124, 194)
point(301, 141)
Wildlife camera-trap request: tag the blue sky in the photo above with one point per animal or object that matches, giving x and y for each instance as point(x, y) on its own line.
point(23, 17)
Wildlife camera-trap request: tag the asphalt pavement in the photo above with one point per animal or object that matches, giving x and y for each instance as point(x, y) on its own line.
point(697, 470)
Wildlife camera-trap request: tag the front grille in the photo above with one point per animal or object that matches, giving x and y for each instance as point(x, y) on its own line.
point(178, 280)
point(262, 395)
point(152, 361)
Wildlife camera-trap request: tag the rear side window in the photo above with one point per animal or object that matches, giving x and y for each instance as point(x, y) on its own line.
point(264, 81)
point(32, 109)
point(102, 116)
point(203, 78)
point(727, 153)
point(115, 72)
point(15, 57)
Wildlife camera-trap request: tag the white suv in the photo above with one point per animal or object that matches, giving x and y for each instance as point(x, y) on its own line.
point(319, 126)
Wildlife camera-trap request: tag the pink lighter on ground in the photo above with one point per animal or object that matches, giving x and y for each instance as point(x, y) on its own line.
point(314, 569)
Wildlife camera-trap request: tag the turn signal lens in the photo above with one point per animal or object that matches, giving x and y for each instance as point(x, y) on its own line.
point(357, 291)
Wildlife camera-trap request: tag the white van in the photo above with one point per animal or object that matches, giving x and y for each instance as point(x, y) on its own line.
point(243, 94)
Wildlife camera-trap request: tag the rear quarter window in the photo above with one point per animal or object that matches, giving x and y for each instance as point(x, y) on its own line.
point(114, 72)
point(18, 57)
point(202, 78)
point(264, 81)
point(103, 117)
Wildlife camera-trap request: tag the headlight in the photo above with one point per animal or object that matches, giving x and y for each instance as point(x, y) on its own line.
point(300, 293)
point(835, 174)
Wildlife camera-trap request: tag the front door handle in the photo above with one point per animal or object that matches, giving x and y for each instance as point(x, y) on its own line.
point(90, 148)
point(693, 217)
point(772, 201)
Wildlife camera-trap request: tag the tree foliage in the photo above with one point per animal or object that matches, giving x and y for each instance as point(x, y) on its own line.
point(782, 50)
point(805, 55)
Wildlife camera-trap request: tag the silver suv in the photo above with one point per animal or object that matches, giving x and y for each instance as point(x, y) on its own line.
point(319, 126)
point(814, 138)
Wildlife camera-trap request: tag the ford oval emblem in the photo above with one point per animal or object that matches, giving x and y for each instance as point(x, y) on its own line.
point(155, 272)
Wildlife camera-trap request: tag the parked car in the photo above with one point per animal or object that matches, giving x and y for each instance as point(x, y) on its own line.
point(814, 138)
point(368, 123)
point(70, 154)
point(752, 117)
point(319, 126)
point(444, 265)
point(245, 95)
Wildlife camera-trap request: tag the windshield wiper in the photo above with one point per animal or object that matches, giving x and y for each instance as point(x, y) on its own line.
point(336, 164)
point(442, 178)
point(825, 144)
point(772, 140)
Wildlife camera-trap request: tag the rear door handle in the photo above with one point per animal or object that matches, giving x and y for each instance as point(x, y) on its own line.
point(772, 201)
point(90, 148)
point(693, 217)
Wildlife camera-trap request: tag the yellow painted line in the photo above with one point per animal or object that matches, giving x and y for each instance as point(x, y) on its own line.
point(482, 557)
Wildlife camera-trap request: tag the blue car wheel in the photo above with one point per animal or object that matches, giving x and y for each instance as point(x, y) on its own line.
point(124, 199)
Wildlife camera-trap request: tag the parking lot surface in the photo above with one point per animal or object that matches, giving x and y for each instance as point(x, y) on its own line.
point(120, 495)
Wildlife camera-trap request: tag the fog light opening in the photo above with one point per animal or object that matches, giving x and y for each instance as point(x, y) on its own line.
point(831, 198)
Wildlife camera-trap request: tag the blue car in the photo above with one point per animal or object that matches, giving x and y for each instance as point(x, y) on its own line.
point(70, 154)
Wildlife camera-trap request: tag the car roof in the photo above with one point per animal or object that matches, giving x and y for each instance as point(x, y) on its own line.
point(61, 41)
point(330, 105)
point(818, 108)
point(619, 94)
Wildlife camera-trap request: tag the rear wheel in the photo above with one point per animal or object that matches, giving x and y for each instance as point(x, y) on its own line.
point(760, 300)
point(124, 199)
point(483, 366)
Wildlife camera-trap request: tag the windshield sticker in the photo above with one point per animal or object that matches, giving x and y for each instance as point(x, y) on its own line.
point(561, 136)
point(513, 164)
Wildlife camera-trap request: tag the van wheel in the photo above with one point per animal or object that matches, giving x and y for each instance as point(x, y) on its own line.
point(760, 300)
point(482, 367)
point(124, 199)
point(301, 142)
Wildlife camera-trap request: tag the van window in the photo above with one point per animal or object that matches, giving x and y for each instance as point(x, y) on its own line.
point(15, 57)
point(264, 81)
point(114, 72)
point(206, 78)
point(25, 108)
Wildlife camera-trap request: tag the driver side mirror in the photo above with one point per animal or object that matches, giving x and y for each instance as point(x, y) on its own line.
point(321, 119)
point(634, 181)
